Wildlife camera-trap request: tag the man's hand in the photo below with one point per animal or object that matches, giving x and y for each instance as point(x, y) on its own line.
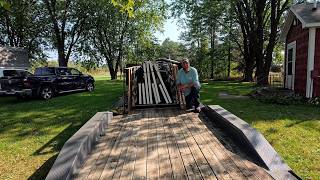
point(182, 87)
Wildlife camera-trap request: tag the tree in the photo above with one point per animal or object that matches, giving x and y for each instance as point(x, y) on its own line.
point(68, 18)
point(259, 21)
point(17, 27)
point(112, 32)
point(202, 19)
point(172, 50)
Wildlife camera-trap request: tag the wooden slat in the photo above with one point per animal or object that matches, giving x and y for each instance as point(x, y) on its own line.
point(140, 93)
point(216, 166)
point(126, 161)
point(188, 160)
point(162, 83)
point(149, 82)
point(163, 94)
point(98, 167)
point(99, 150)
point(141, 153)
point(146, 83)
point(152, 160)
point(164, 158)
point(129, 89)
point(173, 148)
point(165, 144)
point(201, 161)
point(155, 87)
point(128, 167)
point(249, 169)
point(116, 153)
point(219, 151)
point(144, 94)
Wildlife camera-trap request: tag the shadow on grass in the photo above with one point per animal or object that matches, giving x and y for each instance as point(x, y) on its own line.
point(52, 146)
point(56, 143)
point(42, 172)
point(52, 122)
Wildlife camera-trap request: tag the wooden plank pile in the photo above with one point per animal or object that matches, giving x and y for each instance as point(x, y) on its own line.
point(153, 83)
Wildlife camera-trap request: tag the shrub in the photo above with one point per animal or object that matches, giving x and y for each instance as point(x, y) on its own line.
point(277, 96)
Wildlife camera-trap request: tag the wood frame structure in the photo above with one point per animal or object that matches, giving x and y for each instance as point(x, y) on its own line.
point(151, 88)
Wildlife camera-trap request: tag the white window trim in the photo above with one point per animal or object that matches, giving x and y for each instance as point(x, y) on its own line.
point(310, 63)
point(290, 46)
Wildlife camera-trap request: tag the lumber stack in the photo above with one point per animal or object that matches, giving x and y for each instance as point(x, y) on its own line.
point(153, 83)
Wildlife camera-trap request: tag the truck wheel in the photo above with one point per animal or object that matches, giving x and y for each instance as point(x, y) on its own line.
point(46, 92)
point(90, 86)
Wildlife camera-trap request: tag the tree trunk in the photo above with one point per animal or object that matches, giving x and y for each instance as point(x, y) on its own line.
point(263, 78)
point(212, 51)
point(229, 58)
point(113, 74)
point(63, 62)
point(248, 71)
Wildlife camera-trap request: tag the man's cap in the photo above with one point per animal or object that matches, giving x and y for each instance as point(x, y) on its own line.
point(185, 60)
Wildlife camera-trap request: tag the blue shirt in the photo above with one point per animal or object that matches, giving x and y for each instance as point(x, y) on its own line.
point(190, 77)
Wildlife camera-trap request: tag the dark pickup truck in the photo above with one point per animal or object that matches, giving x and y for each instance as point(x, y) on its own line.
point(13, 82)
point(48, 81)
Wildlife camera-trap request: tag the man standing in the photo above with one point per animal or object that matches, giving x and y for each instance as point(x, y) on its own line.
point(188, 83)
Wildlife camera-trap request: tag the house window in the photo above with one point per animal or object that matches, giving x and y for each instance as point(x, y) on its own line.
point(290, 56)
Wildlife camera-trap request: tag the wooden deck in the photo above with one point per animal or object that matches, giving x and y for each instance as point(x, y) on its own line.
point(166, 144)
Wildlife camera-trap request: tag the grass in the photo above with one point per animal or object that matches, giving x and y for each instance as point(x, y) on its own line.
point(32, 132)
point(293, 130)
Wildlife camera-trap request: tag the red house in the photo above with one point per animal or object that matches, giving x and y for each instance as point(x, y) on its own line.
point(301, 34)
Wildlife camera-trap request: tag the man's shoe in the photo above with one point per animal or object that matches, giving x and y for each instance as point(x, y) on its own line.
point(198, 109)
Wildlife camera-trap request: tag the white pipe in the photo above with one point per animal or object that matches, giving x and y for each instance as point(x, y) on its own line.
point(314, 4)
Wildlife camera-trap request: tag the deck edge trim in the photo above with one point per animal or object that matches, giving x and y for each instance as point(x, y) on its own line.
point(76, 149)
point(251, 139)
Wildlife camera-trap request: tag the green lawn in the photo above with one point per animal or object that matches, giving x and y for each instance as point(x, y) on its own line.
point(293, 130)
point(32, 132)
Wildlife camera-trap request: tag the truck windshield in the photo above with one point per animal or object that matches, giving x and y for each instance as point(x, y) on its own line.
point(10, 73)
point(44, 71)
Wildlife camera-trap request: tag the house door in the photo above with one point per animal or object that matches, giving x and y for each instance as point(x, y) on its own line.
point(290, 66)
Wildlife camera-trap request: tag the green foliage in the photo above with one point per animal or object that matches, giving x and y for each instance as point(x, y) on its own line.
point(172, 50)
point(116, 38)
point(5, 4)
point(314, 101)
point(209, 35)
point(125, 6)
point(24, 25)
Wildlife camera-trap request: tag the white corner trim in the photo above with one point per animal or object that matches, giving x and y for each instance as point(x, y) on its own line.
point(310, 63)
point(313, 25)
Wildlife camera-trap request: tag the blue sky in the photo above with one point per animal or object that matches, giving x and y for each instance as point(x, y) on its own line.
point(171, 31)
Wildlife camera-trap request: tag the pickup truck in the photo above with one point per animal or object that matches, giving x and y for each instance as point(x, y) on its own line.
point(48, 81)
point(13, 82)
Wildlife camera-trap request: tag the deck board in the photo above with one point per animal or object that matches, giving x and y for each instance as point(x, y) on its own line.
point(165, 144)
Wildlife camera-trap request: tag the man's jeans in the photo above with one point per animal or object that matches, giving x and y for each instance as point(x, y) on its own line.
point(193, 98)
